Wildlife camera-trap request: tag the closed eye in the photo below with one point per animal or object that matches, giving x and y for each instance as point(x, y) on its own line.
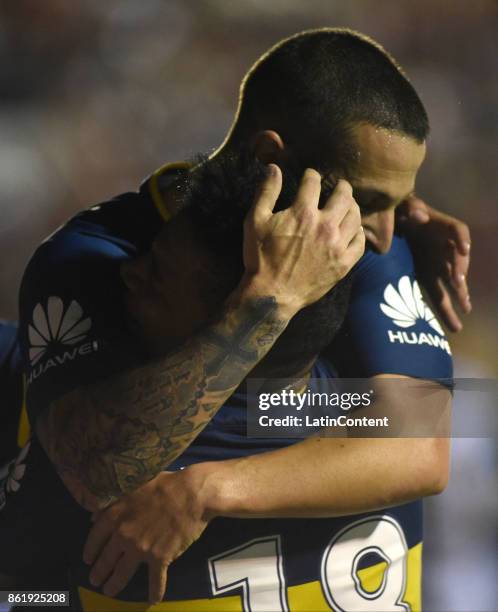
point(376, 201)
point(372, 205)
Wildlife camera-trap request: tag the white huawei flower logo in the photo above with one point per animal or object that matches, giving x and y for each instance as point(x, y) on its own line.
point(55, 325)
point(405, 305)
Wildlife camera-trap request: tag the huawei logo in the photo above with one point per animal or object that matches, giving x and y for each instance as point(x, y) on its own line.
point(54, 325)
point(406, 305)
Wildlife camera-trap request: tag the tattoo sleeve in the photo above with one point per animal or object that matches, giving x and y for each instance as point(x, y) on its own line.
point(109, 438)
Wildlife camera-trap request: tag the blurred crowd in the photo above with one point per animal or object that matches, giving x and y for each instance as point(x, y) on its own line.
point(96, 94)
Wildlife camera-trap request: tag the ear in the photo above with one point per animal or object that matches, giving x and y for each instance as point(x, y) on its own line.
point(269, 147)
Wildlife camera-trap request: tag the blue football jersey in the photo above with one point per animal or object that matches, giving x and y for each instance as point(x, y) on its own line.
point(73, 332)
point(72, 327)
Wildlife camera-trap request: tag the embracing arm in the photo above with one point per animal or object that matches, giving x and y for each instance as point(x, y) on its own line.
point(319, 477)
point(110, 437)
point(107, 439)
point(336, 476)
point(341, 476)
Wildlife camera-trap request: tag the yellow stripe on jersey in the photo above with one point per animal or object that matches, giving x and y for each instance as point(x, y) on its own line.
point(23, 430)
point(155, 192)
point(413, 591)
point(307, 597)
point(94, 602)
point(302, 598)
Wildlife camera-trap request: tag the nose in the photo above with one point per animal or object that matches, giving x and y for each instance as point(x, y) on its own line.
point(135, 273)
point(379, 229)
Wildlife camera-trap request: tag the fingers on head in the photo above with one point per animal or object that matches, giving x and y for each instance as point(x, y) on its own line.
point(350, 225)
point(344, 187)
point(267, 193)
point(341, 200)
point(357, 244)
point(350, 254)
point(308, 194)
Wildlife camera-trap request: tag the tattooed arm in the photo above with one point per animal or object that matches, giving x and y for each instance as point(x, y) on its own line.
point(109, 438)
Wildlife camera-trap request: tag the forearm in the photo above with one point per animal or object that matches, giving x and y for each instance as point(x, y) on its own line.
point(325, 477)
point(111, 437)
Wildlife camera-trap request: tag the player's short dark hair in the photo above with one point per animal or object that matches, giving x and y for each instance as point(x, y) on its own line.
point(314, 86)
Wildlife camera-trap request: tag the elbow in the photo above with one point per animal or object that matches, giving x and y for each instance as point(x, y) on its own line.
point(434, 473)
point(424, 471)
point(436, 482)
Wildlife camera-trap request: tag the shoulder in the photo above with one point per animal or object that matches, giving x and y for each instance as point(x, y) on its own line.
point(85, 253)
point(373, 268)
point(389, 327)
point(72, 321)
point(107, 230)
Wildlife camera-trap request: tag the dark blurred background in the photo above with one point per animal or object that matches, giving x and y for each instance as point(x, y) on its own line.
point(94, 94)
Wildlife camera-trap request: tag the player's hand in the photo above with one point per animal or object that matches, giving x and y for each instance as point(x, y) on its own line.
point(441, 246)
point(300, 253)
point(154, 524)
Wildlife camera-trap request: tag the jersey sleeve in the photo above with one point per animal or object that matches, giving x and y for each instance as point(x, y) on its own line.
point(389, 328)
point(72, 328)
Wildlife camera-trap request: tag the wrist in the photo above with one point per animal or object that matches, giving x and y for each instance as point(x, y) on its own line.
point(211, 483)
point(254, 287)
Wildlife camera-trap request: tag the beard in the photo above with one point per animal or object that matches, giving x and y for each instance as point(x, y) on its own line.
point(218, 196)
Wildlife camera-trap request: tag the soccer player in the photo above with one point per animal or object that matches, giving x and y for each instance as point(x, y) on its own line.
point(153, 524)
point(108, 432)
